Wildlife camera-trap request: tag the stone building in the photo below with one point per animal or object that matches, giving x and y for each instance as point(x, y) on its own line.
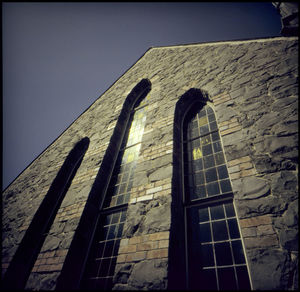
point(182, 175)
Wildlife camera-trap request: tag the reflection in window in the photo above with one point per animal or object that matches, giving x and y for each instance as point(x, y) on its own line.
point(215, 252)
point(102, 259)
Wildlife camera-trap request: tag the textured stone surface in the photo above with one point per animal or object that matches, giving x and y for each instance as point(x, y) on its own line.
point(260, 81)
point(150, 275)
point(273, 261)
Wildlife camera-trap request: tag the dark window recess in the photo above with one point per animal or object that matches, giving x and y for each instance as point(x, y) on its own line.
point(215, 252)
point(29, 248)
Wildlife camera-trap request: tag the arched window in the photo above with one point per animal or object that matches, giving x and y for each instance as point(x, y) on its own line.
point(214, 255)
point(91, 259)
point(103, 255)
point(21, 265)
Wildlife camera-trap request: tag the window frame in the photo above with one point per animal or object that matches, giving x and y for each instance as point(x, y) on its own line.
point(177, 272)
point(73, 267)
point(104, 210)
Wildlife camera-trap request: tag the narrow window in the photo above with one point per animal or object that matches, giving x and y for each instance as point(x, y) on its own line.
point(102, 258)
point(29, 248)
point(214, 251)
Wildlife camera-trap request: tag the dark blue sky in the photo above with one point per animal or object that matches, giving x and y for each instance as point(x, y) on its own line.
point(58, 58)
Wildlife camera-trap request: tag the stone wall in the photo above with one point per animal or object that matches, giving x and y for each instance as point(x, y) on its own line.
point(253, 87)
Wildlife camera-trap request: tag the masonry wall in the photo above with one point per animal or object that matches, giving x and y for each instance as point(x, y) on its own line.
point(253, 86)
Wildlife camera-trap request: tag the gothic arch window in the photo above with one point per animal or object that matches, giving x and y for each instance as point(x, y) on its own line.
point(214, 256)
point(29, 248)
point(91, 260)
point(103, 255)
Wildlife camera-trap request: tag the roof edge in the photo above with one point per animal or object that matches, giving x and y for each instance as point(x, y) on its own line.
point(235, 42)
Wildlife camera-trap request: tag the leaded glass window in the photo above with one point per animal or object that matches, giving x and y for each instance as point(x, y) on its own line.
point(215, 254)
point(102, 259)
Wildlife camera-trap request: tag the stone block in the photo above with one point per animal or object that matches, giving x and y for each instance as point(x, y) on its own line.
point(265, 230)
point(127, 249)
point(256, 221)
point(283, 181)
point(267, 269)
point(249, 232)
point(161, 173)
point(285, 129)
point(157, 219)
point(289, 239)
point(51, 243)
point(157, 253)
point(136, 256)
point(261, 241)
point(252, 188)
point(147, 245)
point(261, 206)
point(149, 275)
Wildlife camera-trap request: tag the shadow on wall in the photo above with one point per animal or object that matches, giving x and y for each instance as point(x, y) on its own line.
point(32, 242)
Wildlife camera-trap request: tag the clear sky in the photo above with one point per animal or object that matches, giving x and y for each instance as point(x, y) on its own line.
point(58, 58)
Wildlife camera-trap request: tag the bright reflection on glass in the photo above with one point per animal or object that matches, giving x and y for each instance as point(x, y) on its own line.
point(103, 258)
point(137, 127)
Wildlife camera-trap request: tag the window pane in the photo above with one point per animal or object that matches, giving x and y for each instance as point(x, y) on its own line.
point(199, 178)
point(209, 161)
point(195, 143)
point(233, 228)
point(222, 172)
point(213, 189)
point(219, 158)
point(111, 233)
point(217, 212)
point(208, 280)
point(108, 248)
point(198, 164)
point(219, 230)
point(203, 215)
point(211, 175)
point(209, 110)
point(120, 200)
point(104, 267)
point(207, 149)
point(198, 192)
point(229, 210)
point(217, 146)
point(203, 121)
point(238, 252)
point(215, 136)
point(204, 130)
point(213, 126)
point(112, 267)
point(100, 249)
point(243, 278)
point(115, 218)
point(225, 186)
point(207, 259)
point(120, 230)
point(193, 133)
point(226, 279)
point(205, 235)
point(202, 112)
point(223, 254)
point(211, 118)
point(205, 140)
point(116, 247)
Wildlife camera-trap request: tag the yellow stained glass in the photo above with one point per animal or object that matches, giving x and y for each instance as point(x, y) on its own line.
point(203, 121)
point(130, 157)
point(197, 154)
point(205, 140)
